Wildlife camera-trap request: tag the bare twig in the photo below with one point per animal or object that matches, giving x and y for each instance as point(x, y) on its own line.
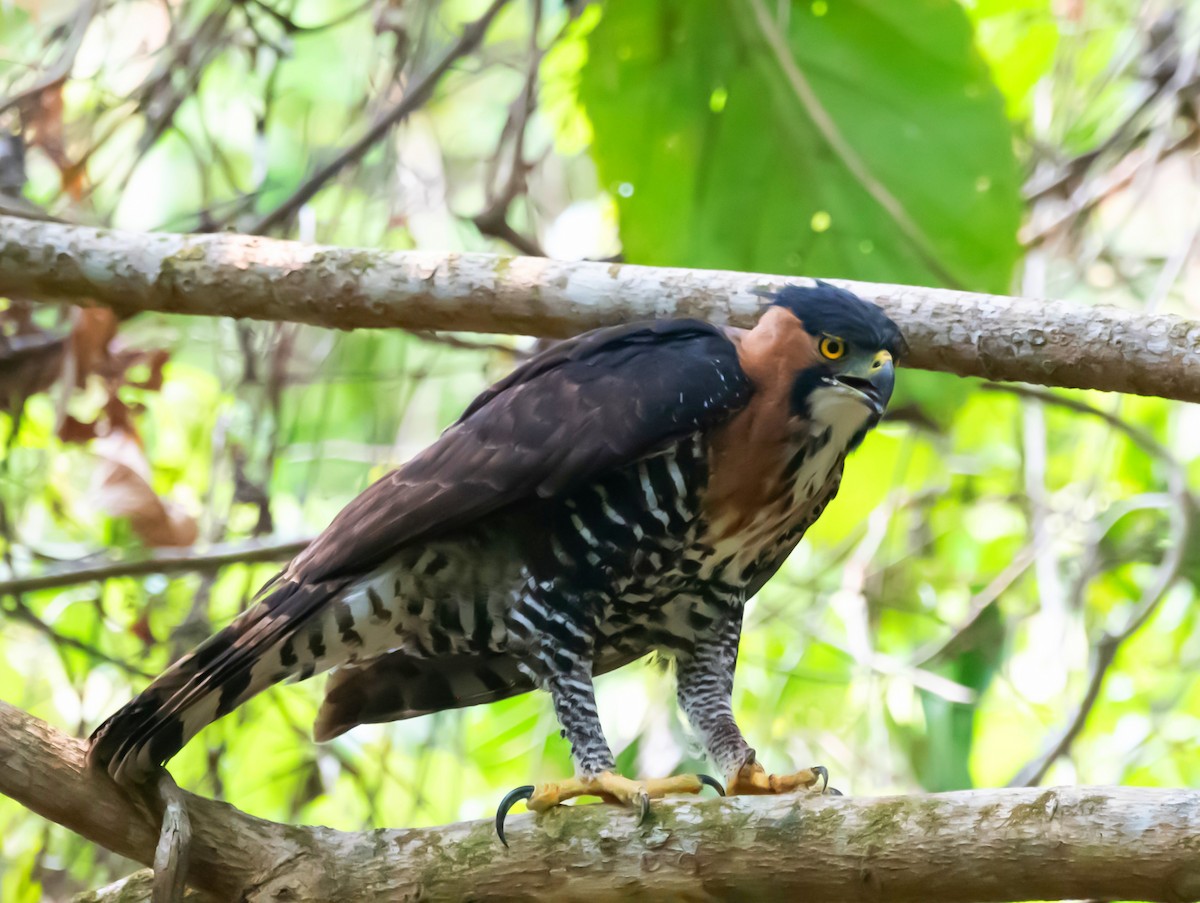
point(61, 67)
point(416, 95)
point(980, 603)
point(450, 340)
point(161, 562)
point(1083, 202)
point(493, 220)
point(1105, 650)
point(1138, 435)
point(171, 853)
point(19, 610)
point(290, 26)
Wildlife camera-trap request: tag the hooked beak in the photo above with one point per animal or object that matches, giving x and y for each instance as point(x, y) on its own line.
point(873, 379)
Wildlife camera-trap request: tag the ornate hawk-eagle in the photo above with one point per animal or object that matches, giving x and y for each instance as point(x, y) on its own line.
point(624, 492)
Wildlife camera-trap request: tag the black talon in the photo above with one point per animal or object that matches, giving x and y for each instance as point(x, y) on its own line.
point(644, 806)
point(712, 782)
point(510, 799)
point(833, 791)
point(823, 773)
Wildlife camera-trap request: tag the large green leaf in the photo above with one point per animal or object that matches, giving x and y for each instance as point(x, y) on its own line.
point(708, 131)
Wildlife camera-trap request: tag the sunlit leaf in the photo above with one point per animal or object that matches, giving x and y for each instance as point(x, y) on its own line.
point(854, 139)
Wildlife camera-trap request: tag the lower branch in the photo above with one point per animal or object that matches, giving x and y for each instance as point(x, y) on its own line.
point(1098, 843)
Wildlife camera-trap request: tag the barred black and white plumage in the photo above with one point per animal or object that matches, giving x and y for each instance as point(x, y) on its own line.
point(624, 492)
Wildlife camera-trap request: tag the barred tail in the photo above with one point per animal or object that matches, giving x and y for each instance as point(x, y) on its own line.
point(397, 686)
point(255, 651)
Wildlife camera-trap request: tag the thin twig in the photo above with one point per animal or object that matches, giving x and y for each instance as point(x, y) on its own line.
point(450, 340)
point(493, 220)
point(1106, 649)
point(292, 27)
point(17, 609)
point(980, 602)
point(1138, 435)
point(160, 562)
point(1116, 179)
point(61, 68)
point(417, 95)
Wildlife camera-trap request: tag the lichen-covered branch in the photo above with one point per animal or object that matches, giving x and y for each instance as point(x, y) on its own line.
point(1047, 342)
point(1065, 843)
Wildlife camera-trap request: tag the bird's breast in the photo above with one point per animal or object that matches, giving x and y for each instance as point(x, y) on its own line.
point(761, 515)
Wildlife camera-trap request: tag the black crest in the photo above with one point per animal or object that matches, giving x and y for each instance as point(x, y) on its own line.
point(825, 308)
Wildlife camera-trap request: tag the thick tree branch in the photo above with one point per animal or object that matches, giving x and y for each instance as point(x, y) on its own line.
point(1048, 342)
point(1078, 843)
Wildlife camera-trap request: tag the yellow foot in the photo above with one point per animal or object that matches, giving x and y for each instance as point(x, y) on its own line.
point(752, 778)
point(612, 788)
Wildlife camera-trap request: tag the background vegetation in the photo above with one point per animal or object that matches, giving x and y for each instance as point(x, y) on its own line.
point(1003, 591)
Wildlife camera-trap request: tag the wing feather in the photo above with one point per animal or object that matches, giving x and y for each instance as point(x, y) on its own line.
point(585, 405)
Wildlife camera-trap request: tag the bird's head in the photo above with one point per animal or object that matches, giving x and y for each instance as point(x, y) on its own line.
point(848, 371)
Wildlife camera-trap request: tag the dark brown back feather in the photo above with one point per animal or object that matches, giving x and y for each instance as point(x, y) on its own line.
point(594, 402)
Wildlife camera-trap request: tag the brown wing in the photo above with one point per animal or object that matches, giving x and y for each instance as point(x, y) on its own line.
point(583, 406)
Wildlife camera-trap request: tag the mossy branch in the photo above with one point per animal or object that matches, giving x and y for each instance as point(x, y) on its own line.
point(1064, 843)
point(1029, 340)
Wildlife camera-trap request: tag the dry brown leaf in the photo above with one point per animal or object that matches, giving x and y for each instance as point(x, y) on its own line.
point(121, 488)
point(76, 431)
point(42, 116)
point(141, 629)
point(155, 360)
point(93, 330)
point(95, 352)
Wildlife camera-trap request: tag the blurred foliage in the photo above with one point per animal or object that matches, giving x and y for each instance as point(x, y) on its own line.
point(936, 629)
point(738, 167)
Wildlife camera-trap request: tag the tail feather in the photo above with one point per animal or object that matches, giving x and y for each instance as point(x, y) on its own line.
point(248, 656)
point(397, 686)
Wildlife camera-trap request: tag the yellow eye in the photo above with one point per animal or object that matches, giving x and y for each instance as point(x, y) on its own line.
point(832, 347)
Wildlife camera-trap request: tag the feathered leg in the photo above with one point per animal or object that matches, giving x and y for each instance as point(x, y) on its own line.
point(563, 663)
point(705, 691)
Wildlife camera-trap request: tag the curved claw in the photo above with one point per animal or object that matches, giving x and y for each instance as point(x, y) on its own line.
point(643, 806)
point(510, 800)
point(833, 791)
point(712, 782)
point(823, 773)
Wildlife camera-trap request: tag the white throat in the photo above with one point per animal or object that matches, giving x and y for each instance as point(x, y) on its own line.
point(840, 409)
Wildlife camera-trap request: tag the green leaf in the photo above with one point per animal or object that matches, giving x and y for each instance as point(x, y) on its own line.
point(708, 131)
point(941, 757)
point(1018, 38)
